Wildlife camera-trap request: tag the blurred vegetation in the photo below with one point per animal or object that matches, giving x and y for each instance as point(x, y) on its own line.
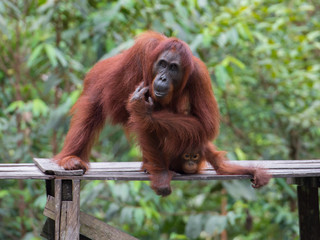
point(263, 57)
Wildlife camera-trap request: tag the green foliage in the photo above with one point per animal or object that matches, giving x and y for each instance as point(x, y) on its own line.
point(263, 57)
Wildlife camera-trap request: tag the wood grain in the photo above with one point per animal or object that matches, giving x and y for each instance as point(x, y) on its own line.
point(67, 213)
point(132, 171)
point(48, 166)
point(90, 226)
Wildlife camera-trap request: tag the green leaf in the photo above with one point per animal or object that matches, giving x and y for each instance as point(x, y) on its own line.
point(240, 190)
point(4, 193)
point(230, 59)
point(39, 108)
point(222, 76)
point(51, 54)
point(196, 42)
point(122, 191)
point(34, 55)
point(75, 95)
point(138, 215)
point(222, 40)
point(244, 31)
point(134, 152)
point(313, 35)
point(121, 47)
point(61, 58)
point(194, 226)
point(112, 210)
point(126, 214)
point(215, 225)
point(240, 154)
point(287, 188)
point(233, 36)
point(16, 105)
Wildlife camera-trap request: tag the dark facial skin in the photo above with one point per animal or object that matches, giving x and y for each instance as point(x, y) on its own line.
point(168, 74)
point(191, 163)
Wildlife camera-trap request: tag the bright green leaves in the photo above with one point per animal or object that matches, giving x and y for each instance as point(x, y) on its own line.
point(37, 107)
point(224, 70)
point(53, 54)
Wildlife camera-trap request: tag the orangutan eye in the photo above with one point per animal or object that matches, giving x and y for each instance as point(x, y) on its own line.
point(173, 67)
point(186, 156)
point(163, 63)
point(195, 156)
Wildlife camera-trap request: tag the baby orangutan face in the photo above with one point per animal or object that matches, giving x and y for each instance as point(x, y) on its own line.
point(191, 163)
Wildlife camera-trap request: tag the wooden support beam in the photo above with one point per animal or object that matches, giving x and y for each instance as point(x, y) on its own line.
point(48, 229)
point(67, 209)
point(90, 227)
point(308, 205)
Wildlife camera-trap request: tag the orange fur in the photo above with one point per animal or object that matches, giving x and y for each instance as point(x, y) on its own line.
point(187, 119)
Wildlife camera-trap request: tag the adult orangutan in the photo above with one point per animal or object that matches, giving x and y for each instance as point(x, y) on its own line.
point(158, 90)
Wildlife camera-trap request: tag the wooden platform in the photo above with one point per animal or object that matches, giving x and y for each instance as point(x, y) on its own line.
point(131, 170)
point(66, 221)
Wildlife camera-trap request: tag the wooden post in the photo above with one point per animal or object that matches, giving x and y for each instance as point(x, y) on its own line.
point(48, 228)
point(90, 227)
point(67, 209)
point(308, 205)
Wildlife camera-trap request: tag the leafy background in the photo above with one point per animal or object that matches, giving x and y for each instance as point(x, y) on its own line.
point(263, 57)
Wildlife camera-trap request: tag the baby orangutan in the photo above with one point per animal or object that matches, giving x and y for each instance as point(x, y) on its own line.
point(191, 163)
point(194, 161)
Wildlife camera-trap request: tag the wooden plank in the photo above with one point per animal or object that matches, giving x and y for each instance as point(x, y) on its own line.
point(98, 230)
point(24, 175)
point(15, 164)
point(135, 166)
point(209, 172)
point(49, 167)
point(18, 168)
point(281, 161)
point(36, 171)
point(90, 226)
point(125, 168)
point(138, 164)
point(67, 218)
point(131, 171)
point(58, 203)
point(308, 204)
point(206, 175)
point(73, 212)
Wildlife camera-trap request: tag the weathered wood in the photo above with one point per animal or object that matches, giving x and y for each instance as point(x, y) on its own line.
point(67, 223)
point(136, 166)
point(15, 164)
point(22, 171)
point(131, 171)
point(206, 175)
point(48, 229)
point(305, 173)
point(90, 226)
point(58, 203)
point(24, 175)
point(48, 166)
point(308, 204)
point(19, 168)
